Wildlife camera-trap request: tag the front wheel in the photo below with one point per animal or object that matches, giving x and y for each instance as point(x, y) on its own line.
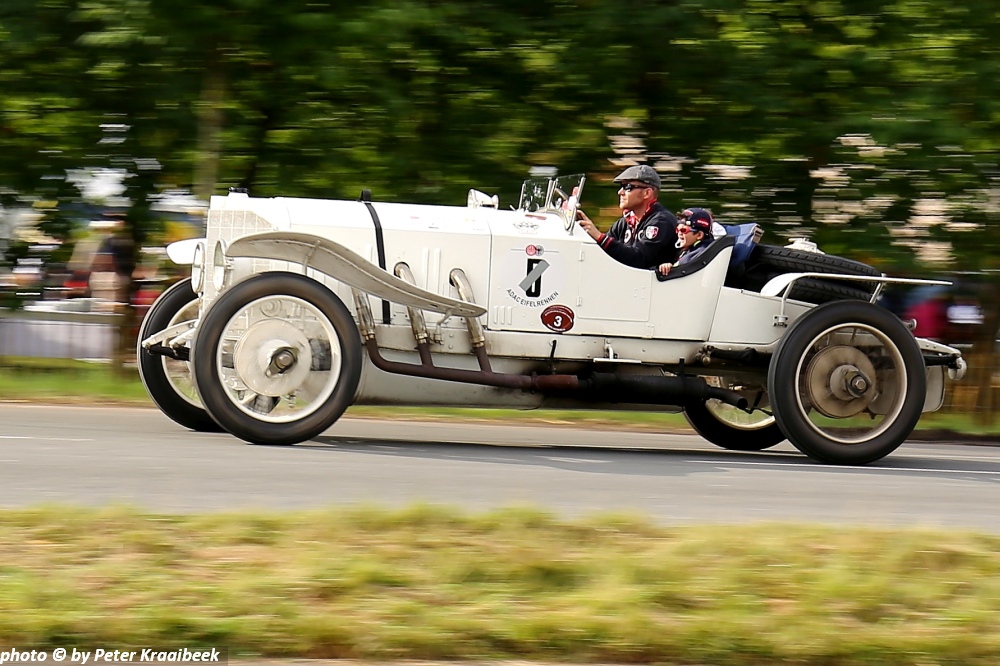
point(847, 383)
point(279, 359)
point(168, 381)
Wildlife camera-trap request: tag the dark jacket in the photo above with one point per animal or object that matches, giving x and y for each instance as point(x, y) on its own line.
point(649, 244)
point(694, 251)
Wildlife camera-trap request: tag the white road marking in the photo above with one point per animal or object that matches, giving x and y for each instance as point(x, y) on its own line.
point(992, 459)
point(578, 460)
point(48, 439)
point(854, 469)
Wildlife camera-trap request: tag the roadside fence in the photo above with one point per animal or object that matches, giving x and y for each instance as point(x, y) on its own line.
point(43, 333)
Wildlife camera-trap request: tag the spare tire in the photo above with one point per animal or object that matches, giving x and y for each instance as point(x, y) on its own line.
point(768, 261)
point(817, 290)
point(787, 260)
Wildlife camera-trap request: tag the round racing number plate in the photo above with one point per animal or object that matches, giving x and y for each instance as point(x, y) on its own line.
point(558, 318)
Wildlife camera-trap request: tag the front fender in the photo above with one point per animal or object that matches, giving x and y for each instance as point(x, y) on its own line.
point(345, 265)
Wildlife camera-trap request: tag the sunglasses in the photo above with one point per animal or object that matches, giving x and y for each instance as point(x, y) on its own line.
point(684, 230)
point(628, 187)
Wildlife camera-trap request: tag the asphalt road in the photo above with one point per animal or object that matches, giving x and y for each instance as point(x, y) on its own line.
point(100, 456)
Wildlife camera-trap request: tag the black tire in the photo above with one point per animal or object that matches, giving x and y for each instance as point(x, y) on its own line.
point(819, 291)
point(811, 383)
point(769, 261)
point(757, 436)
point(321, 339)
point(159, 374)
point(788, 260)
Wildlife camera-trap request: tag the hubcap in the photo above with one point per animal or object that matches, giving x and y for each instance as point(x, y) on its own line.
point(841, 381)
point(272, 357)
point(279, 358)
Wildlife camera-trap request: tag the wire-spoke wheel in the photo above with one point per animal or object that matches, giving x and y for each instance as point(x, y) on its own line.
point(279, 359)
point(847, 383)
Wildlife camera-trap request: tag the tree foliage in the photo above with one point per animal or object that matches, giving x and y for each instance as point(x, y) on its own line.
point(835, 119)
point(871, 128)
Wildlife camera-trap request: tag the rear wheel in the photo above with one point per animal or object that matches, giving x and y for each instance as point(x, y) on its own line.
point(732, 428)
point(847, 383)
point(168, 380)
point(279, 359)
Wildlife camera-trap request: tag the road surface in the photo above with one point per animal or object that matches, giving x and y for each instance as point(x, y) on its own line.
point(99, 456)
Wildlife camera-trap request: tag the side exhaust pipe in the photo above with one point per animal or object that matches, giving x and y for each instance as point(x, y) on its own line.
point(655, 390)
point(597, 387)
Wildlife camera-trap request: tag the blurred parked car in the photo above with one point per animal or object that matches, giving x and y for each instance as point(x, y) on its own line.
point(949, 314)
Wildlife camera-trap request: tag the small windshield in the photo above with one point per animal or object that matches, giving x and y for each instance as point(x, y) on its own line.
point(551, 194)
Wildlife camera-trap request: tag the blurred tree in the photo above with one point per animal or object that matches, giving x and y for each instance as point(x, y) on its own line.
point(42, 109)
point(871, 129)
point(395, 99)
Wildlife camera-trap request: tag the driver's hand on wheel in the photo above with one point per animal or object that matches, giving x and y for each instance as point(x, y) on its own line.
point(587, 224)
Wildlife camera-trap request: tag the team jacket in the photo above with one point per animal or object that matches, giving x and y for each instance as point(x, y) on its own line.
point(646, 244)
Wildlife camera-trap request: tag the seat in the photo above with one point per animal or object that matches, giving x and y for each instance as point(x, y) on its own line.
point(702, 260)
point(746, 235)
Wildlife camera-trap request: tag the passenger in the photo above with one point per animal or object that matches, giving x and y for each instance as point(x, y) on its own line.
point(644, 236)
point(694, 235)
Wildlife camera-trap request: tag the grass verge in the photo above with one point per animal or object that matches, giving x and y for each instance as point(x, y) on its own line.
point(39, 380)
point(428, 583)
point(43, 380)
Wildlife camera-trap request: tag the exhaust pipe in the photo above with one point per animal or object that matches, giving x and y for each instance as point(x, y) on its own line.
point(655, 390)
point(596, 387)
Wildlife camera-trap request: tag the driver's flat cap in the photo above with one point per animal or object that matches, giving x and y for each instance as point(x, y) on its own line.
point(642, 173)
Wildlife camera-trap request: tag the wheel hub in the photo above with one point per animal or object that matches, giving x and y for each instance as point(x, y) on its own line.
point(840, 381)
point(281, 360)
point(272, 358)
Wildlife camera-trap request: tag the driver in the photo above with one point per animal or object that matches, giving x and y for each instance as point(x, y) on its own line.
point(644, 236)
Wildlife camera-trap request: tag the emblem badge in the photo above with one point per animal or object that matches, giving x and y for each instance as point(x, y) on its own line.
point(558, 318)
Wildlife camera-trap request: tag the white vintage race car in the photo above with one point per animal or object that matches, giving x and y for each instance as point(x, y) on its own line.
point(298, 308)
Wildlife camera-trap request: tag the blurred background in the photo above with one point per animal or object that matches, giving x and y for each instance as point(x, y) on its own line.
point(872, 132)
